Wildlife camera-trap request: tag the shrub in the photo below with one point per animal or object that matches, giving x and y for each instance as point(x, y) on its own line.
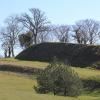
point(59, 79)
point(96, 65)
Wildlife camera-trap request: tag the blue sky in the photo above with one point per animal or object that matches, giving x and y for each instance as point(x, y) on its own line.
point(57, 11)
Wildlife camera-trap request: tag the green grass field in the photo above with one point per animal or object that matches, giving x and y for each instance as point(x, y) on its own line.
point(19, 87)
point(14, 86)
point(84, 73)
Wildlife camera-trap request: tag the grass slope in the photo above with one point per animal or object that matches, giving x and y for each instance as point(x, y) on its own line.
point(84, 73)
point(21, 63)
point(75, 54)
point(19, 87)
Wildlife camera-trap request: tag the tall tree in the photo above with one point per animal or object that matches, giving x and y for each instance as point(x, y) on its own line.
point(12, 30)
point(6, 48)
point(80, 36)
point(36, 22)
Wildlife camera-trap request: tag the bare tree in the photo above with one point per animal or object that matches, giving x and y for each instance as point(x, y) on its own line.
point(87, 31)
point(36, 22)
point(77, 35)
point(62, 33)
point(80, 36)
point(43, 37)
point(93, 29)
point(5, 48)
point(5, 43)
point(10, 35)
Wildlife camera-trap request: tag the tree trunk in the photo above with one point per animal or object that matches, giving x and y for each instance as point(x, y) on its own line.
point(91, 40)
point(65, 92)
point(85, 42)
point(5, 53)
point(54, 92)
point(9, 52)
point(35, 39)
point(12, 50)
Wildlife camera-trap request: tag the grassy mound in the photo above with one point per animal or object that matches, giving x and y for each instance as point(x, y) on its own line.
point(74, 54)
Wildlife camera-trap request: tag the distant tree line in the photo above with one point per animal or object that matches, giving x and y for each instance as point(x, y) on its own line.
point(34, 27)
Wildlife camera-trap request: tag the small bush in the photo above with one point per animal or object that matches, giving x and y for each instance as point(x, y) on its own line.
point(96, 65)
point(59, 79)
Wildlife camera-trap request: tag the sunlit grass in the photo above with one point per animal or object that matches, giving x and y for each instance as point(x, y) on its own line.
point(20, 87)
point(12, 61)
point(86, 73)
point(16, 87)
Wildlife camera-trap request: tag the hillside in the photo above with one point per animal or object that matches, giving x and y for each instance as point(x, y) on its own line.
point(74, 54)
point(21, 88)
point(21, 74)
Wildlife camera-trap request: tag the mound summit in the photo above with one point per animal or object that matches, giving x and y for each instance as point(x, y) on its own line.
point(74, 54)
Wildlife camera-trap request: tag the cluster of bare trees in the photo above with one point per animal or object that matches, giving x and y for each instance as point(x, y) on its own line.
point(34, 28)
point(9, 35)
point(62, 33)
point(87, 31)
